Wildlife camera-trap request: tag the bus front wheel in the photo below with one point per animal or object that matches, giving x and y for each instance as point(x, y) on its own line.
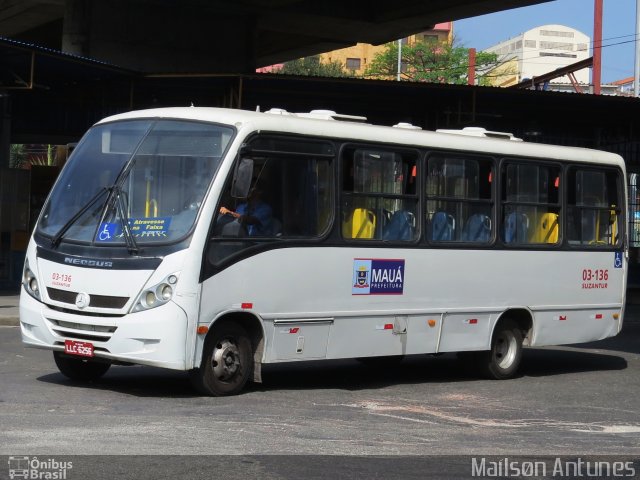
point(80, 370)
point(503, 360)
point(227, 361)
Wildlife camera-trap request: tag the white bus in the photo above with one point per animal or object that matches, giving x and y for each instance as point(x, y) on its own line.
point(215, 241)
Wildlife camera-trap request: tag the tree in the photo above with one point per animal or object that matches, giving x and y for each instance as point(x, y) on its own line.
point(314, 67)
point(25, 156)
point(431, 61)
point(17, 155)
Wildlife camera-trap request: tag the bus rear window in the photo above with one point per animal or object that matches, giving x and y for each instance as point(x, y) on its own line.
point(594, 207)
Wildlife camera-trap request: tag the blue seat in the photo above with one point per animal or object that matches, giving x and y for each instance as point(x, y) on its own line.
point(516, 228)
point(442, 227)
point(399, 227)
point(477, 229)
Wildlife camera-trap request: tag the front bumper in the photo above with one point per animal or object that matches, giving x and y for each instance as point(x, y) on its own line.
point(155, 337)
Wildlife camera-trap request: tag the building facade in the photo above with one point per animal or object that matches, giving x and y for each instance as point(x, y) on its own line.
point(356, 58)
point(624, 87)
point(538, 51)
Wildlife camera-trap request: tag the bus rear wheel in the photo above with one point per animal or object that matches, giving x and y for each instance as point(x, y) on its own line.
point(503, 360)
point(227, 361)
point(79, 369)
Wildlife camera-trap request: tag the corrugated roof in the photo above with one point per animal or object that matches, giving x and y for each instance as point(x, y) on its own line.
point(23, 64)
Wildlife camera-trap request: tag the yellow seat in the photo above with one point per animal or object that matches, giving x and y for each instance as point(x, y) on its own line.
point(360, 224)
point(547, 229)
point(613, 222)
point(611, 233)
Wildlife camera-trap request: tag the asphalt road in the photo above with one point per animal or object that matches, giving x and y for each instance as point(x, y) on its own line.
point(577, 400)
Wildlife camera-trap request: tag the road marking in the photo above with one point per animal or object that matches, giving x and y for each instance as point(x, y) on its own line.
point(396, 411)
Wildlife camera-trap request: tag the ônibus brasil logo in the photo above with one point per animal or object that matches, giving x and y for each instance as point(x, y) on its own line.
point(38, 469)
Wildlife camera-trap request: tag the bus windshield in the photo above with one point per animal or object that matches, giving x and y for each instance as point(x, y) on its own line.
point(157, 173)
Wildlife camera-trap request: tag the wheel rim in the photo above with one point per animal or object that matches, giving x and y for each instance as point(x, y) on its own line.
point(505, 349)
point(226, 360)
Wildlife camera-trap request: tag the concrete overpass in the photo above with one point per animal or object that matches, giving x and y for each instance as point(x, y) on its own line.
point(223, 36)
point(129, 54)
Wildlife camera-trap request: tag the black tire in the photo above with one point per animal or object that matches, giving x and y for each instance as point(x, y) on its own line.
point(503, 360)
point(80, 369)
point(227, 361)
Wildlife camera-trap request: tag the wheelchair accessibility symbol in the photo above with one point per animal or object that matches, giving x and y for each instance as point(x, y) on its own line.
point(617, 262)
point(106, 232)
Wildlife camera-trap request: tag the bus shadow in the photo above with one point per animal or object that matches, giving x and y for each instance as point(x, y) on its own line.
point(424, 369)
point(547, 362)
point(349, 375)
point(627, 341)
point(353, 375)
point(138, 381)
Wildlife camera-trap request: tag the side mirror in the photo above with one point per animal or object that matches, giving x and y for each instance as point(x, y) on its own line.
point(242, 178)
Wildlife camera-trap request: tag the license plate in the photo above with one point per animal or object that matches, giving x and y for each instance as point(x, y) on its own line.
point(74, 347)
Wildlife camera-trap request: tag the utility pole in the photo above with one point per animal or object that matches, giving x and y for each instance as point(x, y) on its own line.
point(636, 73)
point(597, 47)
point(471, 77)
point(400, 57)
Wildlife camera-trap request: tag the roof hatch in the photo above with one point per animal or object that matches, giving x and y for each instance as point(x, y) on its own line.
point(481, 132)
point(319, 114)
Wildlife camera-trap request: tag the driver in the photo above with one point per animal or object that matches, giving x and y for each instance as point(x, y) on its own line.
point(255, 214)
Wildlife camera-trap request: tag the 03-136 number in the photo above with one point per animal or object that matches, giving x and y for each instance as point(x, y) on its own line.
point(596, 275)
point(61, 277)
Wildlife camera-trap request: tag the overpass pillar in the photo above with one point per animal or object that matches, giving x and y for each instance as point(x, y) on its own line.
point(76, 27)
point(5, 129)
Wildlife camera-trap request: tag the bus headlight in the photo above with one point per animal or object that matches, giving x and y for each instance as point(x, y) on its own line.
point(30, 282)
point(157, 295)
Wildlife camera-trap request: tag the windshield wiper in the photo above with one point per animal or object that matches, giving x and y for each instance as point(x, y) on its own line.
point(55, 240)
point(122, 207)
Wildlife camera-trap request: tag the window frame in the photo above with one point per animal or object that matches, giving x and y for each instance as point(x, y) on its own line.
point(343, 195)
point(353, 63)
point(621, 210)
point(491, 201)
point(561, 204)
point(250, 245)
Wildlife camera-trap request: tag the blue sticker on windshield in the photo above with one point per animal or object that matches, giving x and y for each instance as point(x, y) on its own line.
point(157, 227)
point(107, 232)
point(149, 227)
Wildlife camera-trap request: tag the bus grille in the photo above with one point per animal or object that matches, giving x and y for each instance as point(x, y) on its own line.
point(82, 331)
point(96, 301)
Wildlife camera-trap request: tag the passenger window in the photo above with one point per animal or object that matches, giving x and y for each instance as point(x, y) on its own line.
point(459, 199)
point(291, 196)
point(594, 207)
point(530, 204)
point(379, 195)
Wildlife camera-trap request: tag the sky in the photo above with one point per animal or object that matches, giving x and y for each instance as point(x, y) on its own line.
point(618, 29)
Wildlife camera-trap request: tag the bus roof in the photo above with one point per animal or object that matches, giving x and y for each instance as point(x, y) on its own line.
point(325, 123)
